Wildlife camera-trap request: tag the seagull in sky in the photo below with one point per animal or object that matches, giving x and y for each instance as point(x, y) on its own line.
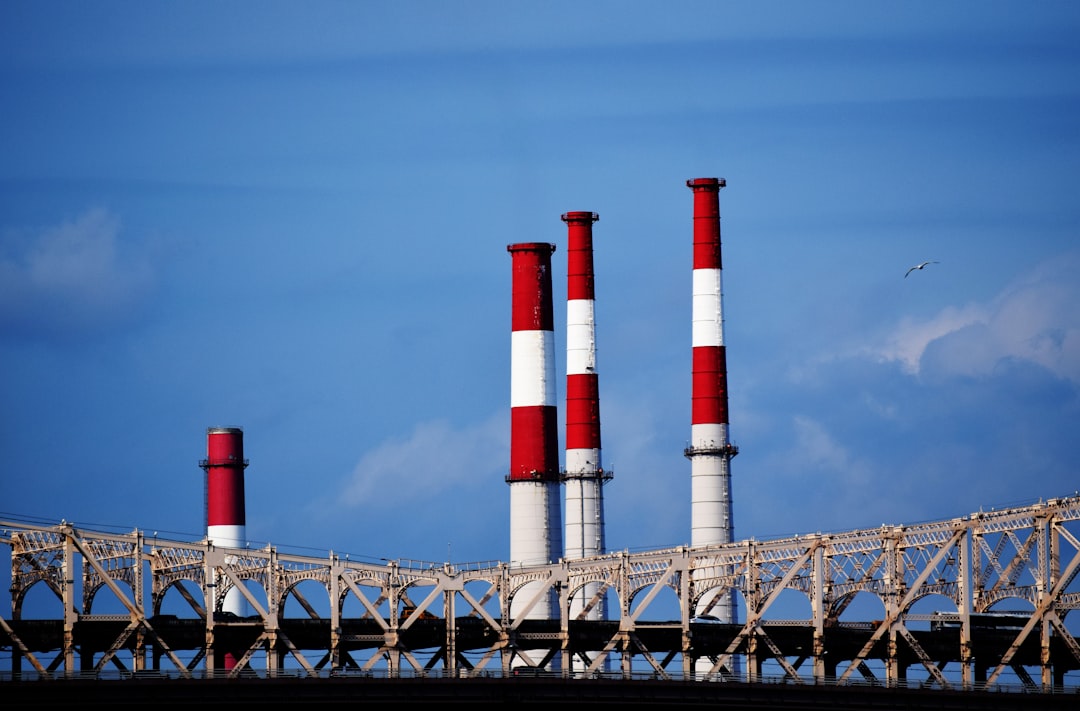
point(918, 266)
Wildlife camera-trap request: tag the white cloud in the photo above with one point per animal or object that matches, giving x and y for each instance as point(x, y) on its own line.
point(435, 458)
point(73, 277)
point(910, 339)
point(1035, 318)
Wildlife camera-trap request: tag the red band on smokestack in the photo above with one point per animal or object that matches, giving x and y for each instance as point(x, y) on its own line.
point(710, 393)
point(224, 467)
point(531, 298)
point(580, 282)
point(582, 412)
point(534, 443)
point(534, 440)
point(706, 222)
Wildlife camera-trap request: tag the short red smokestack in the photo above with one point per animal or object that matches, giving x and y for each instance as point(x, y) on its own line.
point(224, 466)
point(225, 516)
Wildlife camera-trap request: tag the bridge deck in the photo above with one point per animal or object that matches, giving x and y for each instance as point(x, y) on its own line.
point(520, 692)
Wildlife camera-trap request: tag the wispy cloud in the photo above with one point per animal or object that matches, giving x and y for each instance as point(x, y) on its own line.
point(909, 341)
point(1035, 319)
point(72, 279)
point(435, 458)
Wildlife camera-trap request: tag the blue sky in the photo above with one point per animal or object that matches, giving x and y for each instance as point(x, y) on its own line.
point(293, 218)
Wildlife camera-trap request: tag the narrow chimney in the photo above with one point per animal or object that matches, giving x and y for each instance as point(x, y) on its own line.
point(584, 469)
point(585, 476)
point(710, 450)
point(534, 479)
point(224, 466)
point(226, 526)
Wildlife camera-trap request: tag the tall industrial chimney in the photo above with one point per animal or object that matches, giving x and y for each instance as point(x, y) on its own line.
point(710, 450)
point(535, 493)
point(225, 520)
point(585, 475)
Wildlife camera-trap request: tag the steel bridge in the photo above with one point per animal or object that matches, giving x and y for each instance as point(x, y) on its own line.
point(897, 606)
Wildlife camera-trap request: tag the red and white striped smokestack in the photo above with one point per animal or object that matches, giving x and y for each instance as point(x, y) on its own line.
point(585, 476)
point(584, 471)
point(535, 501)
point(225, 516)
point(710, 450)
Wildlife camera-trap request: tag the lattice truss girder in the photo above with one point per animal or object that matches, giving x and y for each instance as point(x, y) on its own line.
point(1028, 553)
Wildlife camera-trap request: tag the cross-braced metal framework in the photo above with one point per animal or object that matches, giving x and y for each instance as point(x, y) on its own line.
point(938, 591)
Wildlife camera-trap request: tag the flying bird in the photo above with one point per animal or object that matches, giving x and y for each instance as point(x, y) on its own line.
point(918, 266)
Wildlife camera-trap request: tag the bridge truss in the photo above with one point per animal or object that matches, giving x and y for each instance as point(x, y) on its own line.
point(934, 594)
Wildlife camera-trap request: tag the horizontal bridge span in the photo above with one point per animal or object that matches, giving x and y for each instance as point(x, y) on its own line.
point(895, 605)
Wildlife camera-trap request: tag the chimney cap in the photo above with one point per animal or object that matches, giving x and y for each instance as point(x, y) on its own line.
point(706, 182)
point(530, 247)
